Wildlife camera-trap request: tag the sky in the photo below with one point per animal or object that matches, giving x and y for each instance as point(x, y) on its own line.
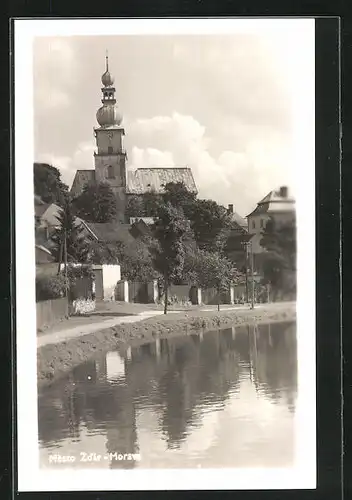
point(223, 105)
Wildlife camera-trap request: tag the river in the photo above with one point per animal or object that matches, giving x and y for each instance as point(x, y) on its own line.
point(218, 399)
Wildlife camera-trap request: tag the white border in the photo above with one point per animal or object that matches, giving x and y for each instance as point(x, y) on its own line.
point(30, 477)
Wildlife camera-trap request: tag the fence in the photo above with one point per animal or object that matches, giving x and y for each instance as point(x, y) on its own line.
point(138, 292)
point(145, 293)
point(210, 296)
point(180, 292)
point(51, 311)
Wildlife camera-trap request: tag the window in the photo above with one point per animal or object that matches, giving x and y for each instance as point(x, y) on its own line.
point(253, 224)
point(111, 172)
point(261, 223)
point(110, 150)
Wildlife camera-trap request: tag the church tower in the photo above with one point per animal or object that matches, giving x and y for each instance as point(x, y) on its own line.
point(110, 156)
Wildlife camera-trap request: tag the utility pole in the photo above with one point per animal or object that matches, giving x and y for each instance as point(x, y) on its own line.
point(246, 265)
point(65, 261)
point(60, 255)
point(252, 275)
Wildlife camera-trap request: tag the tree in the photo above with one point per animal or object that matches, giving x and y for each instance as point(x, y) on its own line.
point(170, 230)
point(136, 262)
point(151, 201)
point(279, 260)
point(179, 196)
point(210, 223)
point(213, 270)
point(135, 206)
point(48, 184)
point(103, 253)
point(69, 237)
point(96, 203)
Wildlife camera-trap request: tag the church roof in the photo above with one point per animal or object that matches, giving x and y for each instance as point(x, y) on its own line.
point(143, 180)
point(82, 178)
point(87, 175)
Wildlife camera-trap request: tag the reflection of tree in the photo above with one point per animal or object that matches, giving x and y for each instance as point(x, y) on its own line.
point(61, 407)
point(190, 372)
point(273, 351)
point(177, 380)
point(112, 407)
point(95, 402)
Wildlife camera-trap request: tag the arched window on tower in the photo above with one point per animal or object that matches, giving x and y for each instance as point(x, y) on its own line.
point(111, 172)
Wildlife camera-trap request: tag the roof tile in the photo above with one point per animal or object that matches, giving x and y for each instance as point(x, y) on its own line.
point(143, 180)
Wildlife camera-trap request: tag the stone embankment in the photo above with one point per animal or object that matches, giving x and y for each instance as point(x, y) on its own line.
point(56, 359)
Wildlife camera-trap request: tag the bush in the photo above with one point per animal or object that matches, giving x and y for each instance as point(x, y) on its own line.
point(175, 301)
point(82, 306)
point(75, 273)
point(50, 287)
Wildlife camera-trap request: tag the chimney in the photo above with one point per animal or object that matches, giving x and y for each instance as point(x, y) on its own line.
point(283, 191)
point(230, 209)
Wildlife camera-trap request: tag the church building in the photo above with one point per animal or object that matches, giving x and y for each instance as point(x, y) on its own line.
point(110, 157)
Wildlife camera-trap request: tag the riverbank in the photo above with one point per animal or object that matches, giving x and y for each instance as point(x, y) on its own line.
point(54, 360)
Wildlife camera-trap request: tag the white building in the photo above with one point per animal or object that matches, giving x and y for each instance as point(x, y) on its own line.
point(277, 204)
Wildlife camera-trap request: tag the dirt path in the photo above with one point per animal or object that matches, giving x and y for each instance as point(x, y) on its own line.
point(59, 352)
point(86, 328)
point(94, 322)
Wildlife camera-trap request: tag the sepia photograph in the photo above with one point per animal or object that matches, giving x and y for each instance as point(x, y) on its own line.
point(165, 225)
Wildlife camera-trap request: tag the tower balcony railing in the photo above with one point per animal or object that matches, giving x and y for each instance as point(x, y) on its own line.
point(121, 152)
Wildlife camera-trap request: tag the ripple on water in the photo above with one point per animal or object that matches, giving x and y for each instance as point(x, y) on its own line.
point(212, 401)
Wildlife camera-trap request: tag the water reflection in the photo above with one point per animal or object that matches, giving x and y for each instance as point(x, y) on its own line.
point(221, 399)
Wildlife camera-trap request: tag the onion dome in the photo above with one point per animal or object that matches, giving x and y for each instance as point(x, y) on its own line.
point(109, 115)
point(107, 79)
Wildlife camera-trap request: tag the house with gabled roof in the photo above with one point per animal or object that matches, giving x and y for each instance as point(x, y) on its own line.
point(278, 205)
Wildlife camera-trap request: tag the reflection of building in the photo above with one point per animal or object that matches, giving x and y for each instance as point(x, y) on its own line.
point(110, 405)
point(278, 205)
point(181, 375)
point(115, 366)
point(121, 434)
point(175, 380)
point(273, 354)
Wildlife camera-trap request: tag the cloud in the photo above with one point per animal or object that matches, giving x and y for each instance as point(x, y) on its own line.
point(239, 177)
point(54, 73)
point(219, 104)
point(63, 163)
point(81, 159)
point(150, 157)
